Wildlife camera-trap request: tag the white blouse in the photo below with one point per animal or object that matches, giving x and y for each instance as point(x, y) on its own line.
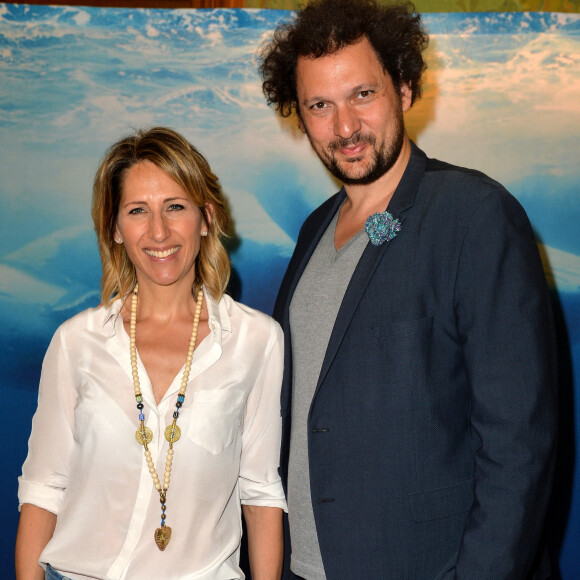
point(85, 465)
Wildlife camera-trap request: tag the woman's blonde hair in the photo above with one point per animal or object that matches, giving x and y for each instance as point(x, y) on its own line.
point(181, 161)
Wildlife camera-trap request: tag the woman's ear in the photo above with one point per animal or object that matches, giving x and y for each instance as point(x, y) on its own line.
point(207, 212)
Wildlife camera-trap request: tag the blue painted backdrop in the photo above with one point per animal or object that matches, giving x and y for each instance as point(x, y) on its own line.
point(501, 95)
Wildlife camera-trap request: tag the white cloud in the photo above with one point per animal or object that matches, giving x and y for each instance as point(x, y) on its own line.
point(151, 31)
point(512, 113)
point(82, 18)
point(41, 250)
point(21, 288)
point(562, 268)
point(254, 223)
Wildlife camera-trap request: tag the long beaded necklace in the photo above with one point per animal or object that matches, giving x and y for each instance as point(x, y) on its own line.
point(144, 435)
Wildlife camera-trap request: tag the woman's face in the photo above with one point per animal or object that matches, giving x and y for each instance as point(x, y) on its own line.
point(159, 225)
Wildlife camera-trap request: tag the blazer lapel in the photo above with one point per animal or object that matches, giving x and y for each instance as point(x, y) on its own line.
point(310, 234)
point(313, 231)
point(402, 200)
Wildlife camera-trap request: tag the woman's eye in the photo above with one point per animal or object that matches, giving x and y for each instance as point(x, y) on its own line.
point(136, 210)
point(176, 207)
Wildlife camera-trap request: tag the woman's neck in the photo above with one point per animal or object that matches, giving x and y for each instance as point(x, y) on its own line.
point(165, 304)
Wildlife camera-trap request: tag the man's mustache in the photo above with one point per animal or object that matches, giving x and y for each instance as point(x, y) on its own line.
point(356, 139)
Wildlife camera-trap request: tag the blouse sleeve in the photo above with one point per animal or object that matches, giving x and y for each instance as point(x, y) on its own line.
point(260, 483)
point(46, 469)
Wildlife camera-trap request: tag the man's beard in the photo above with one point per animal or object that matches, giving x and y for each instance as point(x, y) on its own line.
point(383, 157)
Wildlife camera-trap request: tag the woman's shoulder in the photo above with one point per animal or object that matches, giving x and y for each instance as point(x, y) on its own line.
point(91, 319)
point(242, 315)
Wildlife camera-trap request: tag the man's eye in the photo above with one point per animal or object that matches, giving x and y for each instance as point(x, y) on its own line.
point(365, 94)
point(319, 106)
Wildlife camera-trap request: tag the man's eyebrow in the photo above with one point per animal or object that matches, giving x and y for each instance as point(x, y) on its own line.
point(367, 86)
point(314, 99)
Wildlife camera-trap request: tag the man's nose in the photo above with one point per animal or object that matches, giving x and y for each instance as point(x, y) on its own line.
point(347, 122)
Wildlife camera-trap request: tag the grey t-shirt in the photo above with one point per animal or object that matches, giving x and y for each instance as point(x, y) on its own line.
point(313, 311)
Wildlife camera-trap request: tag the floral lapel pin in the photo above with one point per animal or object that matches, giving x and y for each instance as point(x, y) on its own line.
point(381, 227)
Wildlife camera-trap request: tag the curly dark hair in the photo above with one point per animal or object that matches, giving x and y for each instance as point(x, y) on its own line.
point(325, 26)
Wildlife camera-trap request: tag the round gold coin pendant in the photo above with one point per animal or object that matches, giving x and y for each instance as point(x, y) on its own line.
point(172, 433)
point(144, 435)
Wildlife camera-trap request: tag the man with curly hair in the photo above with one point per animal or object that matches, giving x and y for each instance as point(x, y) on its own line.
point(418, 404)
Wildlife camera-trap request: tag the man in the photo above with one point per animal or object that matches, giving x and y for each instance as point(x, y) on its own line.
point(418, 401)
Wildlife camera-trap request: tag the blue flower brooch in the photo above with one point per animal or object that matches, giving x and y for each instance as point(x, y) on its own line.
point(382, 227)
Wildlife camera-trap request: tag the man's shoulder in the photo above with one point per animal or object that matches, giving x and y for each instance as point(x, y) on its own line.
point(459, 192)
point(456, 176)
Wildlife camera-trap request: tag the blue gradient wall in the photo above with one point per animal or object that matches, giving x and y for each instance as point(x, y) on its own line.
point(501, 95)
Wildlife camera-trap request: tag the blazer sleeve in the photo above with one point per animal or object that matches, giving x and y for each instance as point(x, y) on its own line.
point(505, 322)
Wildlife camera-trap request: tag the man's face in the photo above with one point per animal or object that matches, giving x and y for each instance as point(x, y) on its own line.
point(351, 112)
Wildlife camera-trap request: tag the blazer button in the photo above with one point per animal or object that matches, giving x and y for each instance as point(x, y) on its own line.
point(326, 500)
point(320, 430)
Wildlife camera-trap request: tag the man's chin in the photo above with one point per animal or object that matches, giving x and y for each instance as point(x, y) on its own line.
point(351, 175)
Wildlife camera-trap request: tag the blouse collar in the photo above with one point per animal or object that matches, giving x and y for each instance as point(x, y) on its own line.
point(218, 316)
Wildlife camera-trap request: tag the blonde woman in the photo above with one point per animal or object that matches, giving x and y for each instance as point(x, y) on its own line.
point(158, 417)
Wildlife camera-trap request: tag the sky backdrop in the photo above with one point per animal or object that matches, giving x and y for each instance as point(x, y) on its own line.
point(501, 94)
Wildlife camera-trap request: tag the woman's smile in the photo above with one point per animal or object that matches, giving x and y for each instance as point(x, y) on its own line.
point(162, 253)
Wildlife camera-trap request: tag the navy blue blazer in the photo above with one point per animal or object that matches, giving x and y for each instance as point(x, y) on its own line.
point(431, 434)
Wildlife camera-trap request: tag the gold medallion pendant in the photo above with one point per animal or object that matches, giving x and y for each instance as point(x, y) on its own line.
point(172, 433)
point(162, 537)
point(144, 435)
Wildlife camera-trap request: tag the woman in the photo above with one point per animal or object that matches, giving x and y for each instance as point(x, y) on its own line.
point(158, 412)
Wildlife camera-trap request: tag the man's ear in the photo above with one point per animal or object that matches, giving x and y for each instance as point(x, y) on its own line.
point(406, 96)
point(300, 121)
